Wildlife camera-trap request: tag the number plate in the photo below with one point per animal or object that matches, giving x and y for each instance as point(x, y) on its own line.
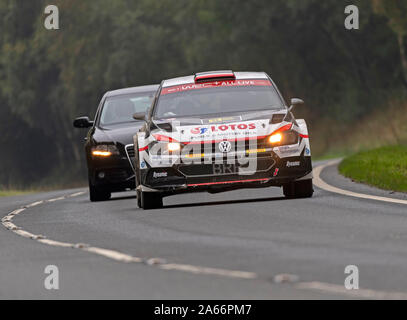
point(224, 168)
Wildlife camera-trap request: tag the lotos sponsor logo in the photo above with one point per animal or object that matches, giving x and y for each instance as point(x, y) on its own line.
point(225, 127)
point(233, 127)
point(199, 130)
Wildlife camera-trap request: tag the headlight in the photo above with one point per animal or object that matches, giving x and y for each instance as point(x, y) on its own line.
point(173, 146)
point(104, 150)
point(275, 138)
point(283, 138)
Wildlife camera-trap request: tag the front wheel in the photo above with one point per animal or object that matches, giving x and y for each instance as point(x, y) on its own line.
point(138, 198)
point(299, 189)
point(150, 200)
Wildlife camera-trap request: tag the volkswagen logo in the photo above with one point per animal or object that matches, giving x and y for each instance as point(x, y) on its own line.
point(225, 146)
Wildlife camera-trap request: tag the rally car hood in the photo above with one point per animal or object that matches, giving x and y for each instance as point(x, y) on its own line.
point(231, 126)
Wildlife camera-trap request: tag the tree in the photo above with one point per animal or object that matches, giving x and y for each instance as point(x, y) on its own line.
point(396, 13)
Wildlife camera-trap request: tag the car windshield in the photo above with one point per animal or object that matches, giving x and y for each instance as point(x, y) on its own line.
point(195, 100)
point(120, 109)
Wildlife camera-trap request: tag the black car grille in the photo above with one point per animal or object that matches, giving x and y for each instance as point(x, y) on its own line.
point(263, 164)
point(117, 175)
point(130, 151)
point(131, 155)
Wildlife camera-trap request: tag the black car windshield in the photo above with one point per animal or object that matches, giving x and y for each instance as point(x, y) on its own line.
point(120, 109)
point(191, 100)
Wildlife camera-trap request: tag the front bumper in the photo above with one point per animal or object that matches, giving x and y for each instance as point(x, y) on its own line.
point(268, 171)
point(115, 173)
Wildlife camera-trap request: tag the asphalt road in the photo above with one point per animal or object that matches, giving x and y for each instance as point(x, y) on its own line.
point(254, 231)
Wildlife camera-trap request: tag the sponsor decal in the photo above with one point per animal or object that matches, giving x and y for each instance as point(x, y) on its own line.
point(223, 136)
point(233, 127)
point(293, 164)
point(276, 172)
point(224, 127)
point(225, 146)
point(143, 164)
point(224, 119)
point(307, 152)
point(214, 84)
point(199, 130)
point(287, 150)
point(160, 174)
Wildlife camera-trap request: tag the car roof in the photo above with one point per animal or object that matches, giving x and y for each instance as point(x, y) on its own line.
point(191, 79)
point(118, 92)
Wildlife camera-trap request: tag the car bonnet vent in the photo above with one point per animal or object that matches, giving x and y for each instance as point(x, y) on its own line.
point(277, 118)
point(165, 126)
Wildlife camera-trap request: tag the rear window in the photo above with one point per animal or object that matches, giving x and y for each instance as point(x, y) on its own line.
point(120, 109)
point(217, 97)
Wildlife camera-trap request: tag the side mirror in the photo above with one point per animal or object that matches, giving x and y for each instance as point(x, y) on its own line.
point(139, 116)
point(296, 101)
point(82, 122)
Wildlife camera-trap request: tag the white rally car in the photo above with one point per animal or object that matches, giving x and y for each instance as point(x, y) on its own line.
point(219, 131)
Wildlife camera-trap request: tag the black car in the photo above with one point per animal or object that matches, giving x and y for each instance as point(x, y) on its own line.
point(109, 143)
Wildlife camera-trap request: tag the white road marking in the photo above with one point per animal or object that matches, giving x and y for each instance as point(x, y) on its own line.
point(75, 194)
point(34, 204)
point(323, 185)
point(112, 254)
point(359, 293)
point(55, 243)
point(162, 264)
point(211, 271)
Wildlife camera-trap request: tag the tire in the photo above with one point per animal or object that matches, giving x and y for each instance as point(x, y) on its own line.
point(145, 200)
point(151, 200)
point(299, 189)
point(137, 174)
point(138, 198)
point(98, 194)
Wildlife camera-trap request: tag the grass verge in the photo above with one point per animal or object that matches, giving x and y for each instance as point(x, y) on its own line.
point(384, 167)
point(10, 193)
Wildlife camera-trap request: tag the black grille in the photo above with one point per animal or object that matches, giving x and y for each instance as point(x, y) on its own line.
point(116, 175)
point(130, 151)
point(207, 169)
point(131, 155)
point(195, 170)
